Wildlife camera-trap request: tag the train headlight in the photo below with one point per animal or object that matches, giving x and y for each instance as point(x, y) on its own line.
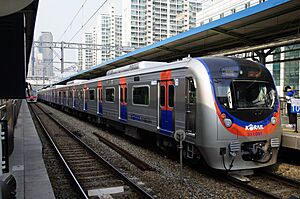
point(227, 122)
point(273, 120)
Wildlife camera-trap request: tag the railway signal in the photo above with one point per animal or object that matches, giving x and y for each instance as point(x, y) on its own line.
point(179, 136)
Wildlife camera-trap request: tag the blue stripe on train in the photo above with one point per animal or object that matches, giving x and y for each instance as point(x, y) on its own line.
point(166, 122)
point(100, 111)
point(85, 106)
point(123, 112)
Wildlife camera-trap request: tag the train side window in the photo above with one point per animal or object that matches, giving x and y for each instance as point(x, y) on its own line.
point(92, 94)
point(162, 95)
point(171, 95)
point(110, 94)
point(140, 95)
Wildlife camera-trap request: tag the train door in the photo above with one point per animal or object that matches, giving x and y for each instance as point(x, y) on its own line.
point(123, 101)
point(99, 99)
point(85, 98)
point(190, 106)
point(166, 106)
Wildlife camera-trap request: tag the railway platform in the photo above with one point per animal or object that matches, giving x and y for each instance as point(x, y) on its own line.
point(290, 138)
point(26, 161)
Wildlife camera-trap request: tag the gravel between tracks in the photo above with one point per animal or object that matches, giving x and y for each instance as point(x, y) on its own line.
point(165, 180)
point(288, 170)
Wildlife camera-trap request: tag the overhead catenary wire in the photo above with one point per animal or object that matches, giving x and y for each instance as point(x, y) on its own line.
point(88, 20)
point(81, 7)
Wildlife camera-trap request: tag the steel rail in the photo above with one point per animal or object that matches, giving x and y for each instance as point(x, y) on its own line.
point(249, 188)
point(283, 179)
point(134, 160)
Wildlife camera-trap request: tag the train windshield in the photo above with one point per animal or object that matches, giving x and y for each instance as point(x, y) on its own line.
point(245, 94)
point(245, 86)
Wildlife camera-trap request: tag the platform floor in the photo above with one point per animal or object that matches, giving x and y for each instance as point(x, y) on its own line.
point(26, 162)
point(290, 138)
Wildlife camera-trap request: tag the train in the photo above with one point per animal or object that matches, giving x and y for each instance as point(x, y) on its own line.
point(31, 94)
point(227, 107)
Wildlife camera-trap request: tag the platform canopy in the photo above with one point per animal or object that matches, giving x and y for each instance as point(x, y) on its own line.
point(271, 23)
point(17, 21)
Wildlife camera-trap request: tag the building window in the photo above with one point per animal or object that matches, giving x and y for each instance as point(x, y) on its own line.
point(247, 5)
point(92, 94)
point(140, 95)
point(110, 94)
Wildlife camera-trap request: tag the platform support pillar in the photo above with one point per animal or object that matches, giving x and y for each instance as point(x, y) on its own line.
point(262, 55)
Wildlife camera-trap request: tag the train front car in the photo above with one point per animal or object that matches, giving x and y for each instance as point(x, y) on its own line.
point(240, 119)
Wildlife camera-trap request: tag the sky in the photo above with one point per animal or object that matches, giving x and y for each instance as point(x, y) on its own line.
point(55, 16)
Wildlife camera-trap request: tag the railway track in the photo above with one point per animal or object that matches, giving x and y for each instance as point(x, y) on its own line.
point(92, 175)
point(268, 185)
point(137, 162)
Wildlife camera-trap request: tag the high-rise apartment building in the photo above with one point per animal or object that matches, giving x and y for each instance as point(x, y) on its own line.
point(215, 9)
point(85, 56)
point(191, 8)
point(94, 41)
point(109, 35)
point(80, 61)
point(148, 21)
point(142, 23)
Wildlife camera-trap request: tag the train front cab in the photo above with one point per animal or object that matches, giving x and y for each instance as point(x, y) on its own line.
point(240, 124)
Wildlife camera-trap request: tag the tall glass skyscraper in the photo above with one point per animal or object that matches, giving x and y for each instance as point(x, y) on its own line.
point(47, 54)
